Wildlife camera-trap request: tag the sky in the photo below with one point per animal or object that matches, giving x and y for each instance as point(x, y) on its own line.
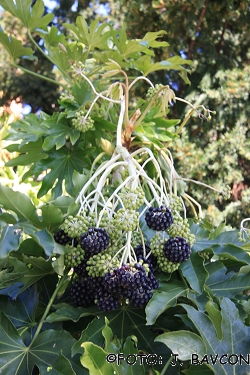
point(50, 4)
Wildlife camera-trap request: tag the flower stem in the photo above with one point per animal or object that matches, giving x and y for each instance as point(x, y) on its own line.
point(39, 327)
point(39, 76)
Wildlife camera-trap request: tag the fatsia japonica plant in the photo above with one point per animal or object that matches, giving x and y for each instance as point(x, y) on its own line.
point(109, 275)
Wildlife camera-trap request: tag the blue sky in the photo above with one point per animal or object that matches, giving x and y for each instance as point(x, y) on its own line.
point(51, 4)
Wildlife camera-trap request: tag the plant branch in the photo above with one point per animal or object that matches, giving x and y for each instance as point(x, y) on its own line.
point(38, 75)
point(49, 58)
point(39, 327)
point(192, 43)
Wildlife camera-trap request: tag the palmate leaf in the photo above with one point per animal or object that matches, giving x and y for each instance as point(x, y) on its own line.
point(235, 339)
point(145, 65)
point(121, 321)
point(194, 272)
point(9, 240)
point(18, 359)
point(224, 283)
point(30, 153)
point(29, 129)
point(62, 164)
point(58, 135)
point(31, 17)
point(95, 357)
point(14, 47)
point(92, 36)
point(21, 311)
point(163, 299)
point(20, 204)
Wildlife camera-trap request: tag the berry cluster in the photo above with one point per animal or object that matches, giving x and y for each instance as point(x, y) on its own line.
point(94, 241)
point(159, 218)
point(81, 123)
point(172, 243)
point(75, 226)
point(74, 257)
point(112, 259)
point(132, 281)
point(132, 199)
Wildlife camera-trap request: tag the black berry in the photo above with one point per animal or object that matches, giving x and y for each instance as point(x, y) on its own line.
point(177, 249)
point(159, 218)
point(94, 240)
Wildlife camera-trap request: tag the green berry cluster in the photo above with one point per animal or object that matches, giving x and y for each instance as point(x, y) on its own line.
point(111, 228)
point(101, 263)
point(74, 226)
point(153, 90)
point(180, 227)
point(157, 248)
point(66, 95)
point(136, 239)
point(81, 123)
point(132, 198)
point(244, 235)
point(74, 257)
point(175, 203)
point(126, 220)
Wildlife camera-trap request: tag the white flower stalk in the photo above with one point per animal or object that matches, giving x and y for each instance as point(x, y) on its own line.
point(244, 233)
point(111, 205)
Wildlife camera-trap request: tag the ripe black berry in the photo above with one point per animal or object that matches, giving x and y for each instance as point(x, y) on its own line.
point(159, 218)
point(177, 249)
point(80, 293)
point(62, 238)
point(94, 240)
point(150, 260)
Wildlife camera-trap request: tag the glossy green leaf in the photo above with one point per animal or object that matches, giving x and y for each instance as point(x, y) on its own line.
point(14, 47)
point(215, 316)
point(223, 283)
point(9, 240)
point(62, 366)
point(20, 204)
point(29, 129)
point(52, 36)
point(59, 132)
point(7, 218)
point(95, 358)
point(183, 343)
point(150, 39)
point(30, 153)
point(119, 321)
point(21, 311)
point(235, 337)
point(93, 333)
point(62, 163)
point(63, 203)
point(194, 272)
point(18, 359)
point(31, 17)
point(52, 216)
point(163, 300)
point(146, 66)
point(92, 36)
point(37, 269)
point(12, 270)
